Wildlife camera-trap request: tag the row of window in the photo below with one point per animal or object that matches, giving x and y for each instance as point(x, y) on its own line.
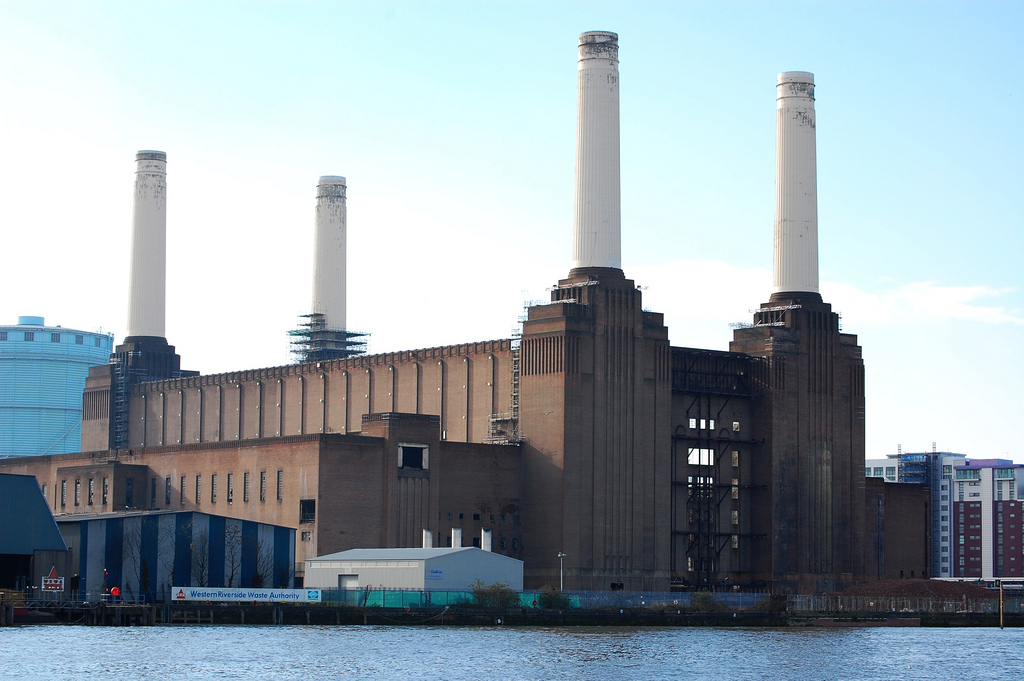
point(709, 424)
point(215, 488)
point(90, 499)
point(55, 337)
point(90, 490)
point(477, 517)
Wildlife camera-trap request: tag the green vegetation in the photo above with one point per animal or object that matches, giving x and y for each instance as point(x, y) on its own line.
point(497, 596)
point(553, 599)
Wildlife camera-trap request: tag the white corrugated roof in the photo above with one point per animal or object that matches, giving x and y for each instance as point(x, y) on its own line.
point(394, 554)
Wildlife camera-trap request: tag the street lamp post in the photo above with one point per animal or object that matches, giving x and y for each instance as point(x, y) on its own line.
point(561, 572)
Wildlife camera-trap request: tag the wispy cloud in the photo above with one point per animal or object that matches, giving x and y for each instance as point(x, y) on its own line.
point(923, 300)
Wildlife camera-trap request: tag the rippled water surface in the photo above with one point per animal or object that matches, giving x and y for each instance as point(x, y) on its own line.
point(228, 652)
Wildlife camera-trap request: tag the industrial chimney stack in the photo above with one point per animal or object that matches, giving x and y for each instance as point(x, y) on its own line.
point(796, 187)
point(597, 224)
point(322, 335)
point(147, 279)
point(329, 251)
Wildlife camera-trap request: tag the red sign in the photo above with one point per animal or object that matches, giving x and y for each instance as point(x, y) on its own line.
point(53, 582)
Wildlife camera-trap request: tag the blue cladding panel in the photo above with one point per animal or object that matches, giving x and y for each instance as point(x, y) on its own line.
point(283, 544)
point(83, 556)
point(112, 556)
point(150, 543)
point(182, 572)
point(216, 551)
point(250, 551)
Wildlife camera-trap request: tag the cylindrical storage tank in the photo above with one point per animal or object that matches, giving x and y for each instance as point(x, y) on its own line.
point(42, 378)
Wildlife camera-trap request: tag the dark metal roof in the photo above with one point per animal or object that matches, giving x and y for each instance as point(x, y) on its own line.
point(26, 524)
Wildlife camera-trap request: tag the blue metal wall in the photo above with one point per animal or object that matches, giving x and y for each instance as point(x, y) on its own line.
point(42, 377)
point(168, 549)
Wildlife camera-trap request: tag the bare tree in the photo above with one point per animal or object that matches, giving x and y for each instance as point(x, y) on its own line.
point(137, 549)
point(201, 559)
point(264, 574)
point(233, 553)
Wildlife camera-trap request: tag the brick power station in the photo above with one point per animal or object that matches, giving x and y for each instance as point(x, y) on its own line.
point(646, 466)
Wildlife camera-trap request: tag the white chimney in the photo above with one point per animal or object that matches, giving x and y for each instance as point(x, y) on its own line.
point(146, 281)
point(428, 539)
point(329, 251)
point(485, 540)
point(796, 186)
point(597, 225)
point(456, 537)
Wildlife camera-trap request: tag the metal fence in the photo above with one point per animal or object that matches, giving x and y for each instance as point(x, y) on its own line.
point(849, 604)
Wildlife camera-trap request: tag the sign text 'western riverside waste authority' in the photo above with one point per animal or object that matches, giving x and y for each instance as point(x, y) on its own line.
point(206, 593)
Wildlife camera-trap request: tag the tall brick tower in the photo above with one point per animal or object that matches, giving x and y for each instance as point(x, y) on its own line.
point(813, 415)
point(595, 383)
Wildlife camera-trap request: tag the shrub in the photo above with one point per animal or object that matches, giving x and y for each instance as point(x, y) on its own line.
point(704, 601)
point(553, 599)
point(497, 596)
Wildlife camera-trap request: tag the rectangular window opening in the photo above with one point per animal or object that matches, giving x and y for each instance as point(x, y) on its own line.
point(307, 510)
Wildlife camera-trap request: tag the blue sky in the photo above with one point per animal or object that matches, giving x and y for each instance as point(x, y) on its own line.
point(454, 124)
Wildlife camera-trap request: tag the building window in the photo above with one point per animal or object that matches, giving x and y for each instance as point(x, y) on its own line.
point(413, 456)
point(152, 492)
point(280, 485)
point(231, 488)
point(245, 487)
point(199, 489)
point(735, 541)
point(735, 459)
point(3, 335)
point(97, 341)
point(55, 338)
point(693, 423)
point(44, 495)
point(106, 490)
point(167, 491)
point(63, 493)
point(735, 517)
point(182, 488)
point(735, 426)
point(307, 535)
point(263, 485)
point(30, 335)
point(307, 510)
point(92, 491)
point(213, 488)
point(78, 492)
point(129, 492)
point(476, 517)
point(79, 339)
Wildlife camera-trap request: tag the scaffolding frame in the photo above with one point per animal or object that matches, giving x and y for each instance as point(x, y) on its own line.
point(313, 341)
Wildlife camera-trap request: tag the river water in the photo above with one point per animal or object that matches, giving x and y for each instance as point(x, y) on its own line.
point(454, 653)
